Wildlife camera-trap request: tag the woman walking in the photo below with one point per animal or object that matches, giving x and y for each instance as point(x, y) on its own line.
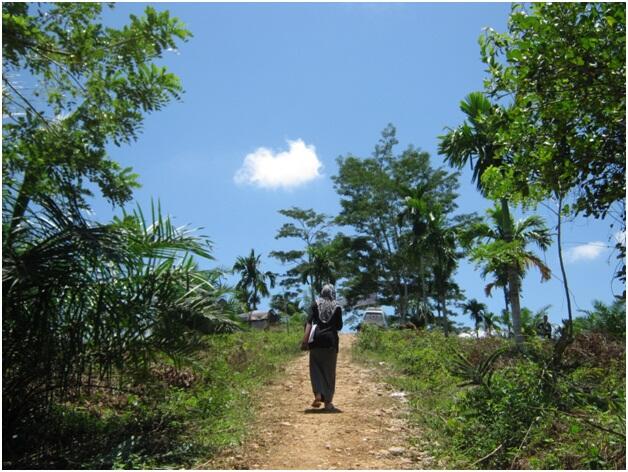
point(321, 338)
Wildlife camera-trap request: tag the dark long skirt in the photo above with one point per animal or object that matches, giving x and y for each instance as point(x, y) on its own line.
point(323, 371)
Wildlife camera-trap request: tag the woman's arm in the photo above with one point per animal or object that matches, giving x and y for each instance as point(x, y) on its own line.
point(308, 327)
point(306, 336)
point(339, 324)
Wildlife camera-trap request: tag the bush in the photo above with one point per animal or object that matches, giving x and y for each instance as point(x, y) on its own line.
point(177, 416)
point(535, 413)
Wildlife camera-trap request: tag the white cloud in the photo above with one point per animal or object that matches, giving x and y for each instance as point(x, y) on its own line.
point(620, 237)
point(287, 169)
point(586, 252)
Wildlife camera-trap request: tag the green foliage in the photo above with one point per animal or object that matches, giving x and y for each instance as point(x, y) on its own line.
point(312, 263)
point(87, 304)
point(606, 319)
point(476, 373)
point(531, 410)
point(95, 83)
point(564, 67)
point(178, 416)
point(400, 209)
point(252, 284)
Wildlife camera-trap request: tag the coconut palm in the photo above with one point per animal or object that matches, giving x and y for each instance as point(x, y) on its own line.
point(252, 282)
point(503, 244)
point(476, 311)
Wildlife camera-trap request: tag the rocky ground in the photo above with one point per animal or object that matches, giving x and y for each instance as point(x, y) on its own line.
point(370, 433)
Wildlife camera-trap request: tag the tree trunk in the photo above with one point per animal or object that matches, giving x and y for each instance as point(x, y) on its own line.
point(506, 295)
point(513, 278)
point(562, 265)
point(444, 312)
point(405, 301)
point(513, 281)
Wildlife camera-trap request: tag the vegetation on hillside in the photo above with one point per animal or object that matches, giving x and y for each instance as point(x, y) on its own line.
point(480, 403)
point(119, 351)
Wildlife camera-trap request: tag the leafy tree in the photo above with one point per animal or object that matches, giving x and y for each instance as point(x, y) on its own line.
point(476, 311)
point(71, 87)
point(495, 251)
point(311, 228)
point(563, 68)
point(373, 194)
point(284, 303)
point(252, 282)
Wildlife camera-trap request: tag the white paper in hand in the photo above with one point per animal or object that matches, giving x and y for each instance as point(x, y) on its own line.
point(311, 338)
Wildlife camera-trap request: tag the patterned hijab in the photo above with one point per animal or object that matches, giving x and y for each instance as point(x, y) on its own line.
point(327, 303)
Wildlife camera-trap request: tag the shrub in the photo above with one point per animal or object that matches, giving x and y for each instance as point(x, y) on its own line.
point(537, 412)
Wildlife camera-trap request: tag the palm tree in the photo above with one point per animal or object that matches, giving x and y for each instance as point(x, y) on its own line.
point(490, 322)
point(252, 282)
point(419, 210)
point(505, 320)
point(476, 310)
point(441, 241)
point(84, 301)
point(474, 138)
point(477, 138)
point(498, 251)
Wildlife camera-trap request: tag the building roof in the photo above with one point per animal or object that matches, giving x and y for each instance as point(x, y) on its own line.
point(257, 315)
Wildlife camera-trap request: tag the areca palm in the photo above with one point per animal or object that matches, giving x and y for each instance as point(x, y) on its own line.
point(474, 138)
point(476, 310)
point(252, 280)
point(497, 251)
point(419, 213)
point(441, 239)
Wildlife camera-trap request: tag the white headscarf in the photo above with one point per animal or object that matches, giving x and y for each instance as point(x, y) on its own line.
point(327, 303)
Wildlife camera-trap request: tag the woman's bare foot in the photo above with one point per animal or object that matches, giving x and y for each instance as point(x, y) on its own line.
point(317, 401)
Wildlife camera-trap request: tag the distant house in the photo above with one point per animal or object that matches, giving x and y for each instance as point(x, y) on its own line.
point(259, 319)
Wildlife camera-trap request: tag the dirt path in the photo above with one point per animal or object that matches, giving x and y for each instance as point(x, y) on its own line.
point(370, 433)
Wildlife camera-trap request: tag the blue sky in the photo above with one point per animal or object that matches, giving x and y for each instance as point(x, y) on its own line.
point(315, 81)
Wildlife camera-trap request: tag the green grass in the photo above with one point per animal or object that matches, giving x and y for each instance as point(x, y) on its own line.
point(527, 417)
point(180, 416)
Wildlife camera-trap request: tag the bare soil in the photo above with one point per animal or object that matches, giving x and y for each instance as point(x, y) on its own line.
point(370, 433)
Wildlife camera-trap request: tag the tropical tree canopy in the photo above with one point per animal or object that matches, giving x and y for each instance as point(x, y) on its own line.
point(71, 87)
